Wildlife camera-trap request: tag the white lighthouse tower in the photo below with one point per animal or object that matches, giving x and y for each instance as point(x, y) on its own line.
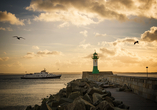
point(95, 63)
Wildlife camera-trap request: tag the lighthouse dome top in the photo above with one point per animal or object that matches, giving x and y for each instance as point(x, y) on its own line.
point(95, 56)
point(95, 53)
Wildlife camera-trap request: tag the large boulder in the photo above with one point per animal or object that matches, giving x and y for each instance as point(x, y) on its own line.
point(36, 107)
point(87, 98)
point(68, 90)
point(123, 106)
point(117, 103)
point(83, 91)
point(80, 104)
point(109, 100)
point(63, 106)
point(96, 97)
point(29, 108)
point(104, 105)
point(93, 90)
point(74, 95)
point(82, 84)
point(43, 105)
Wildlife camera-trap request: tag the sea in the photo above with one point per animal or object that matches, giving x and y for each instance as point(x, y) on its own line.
point(17, 93)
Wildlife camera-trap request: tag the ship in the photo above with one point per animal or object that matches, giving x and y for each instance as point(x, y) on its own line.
point(42, 75)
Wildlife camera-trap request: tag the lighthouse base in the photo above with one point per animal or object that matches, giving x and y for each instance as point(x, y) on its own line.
point(95, 70)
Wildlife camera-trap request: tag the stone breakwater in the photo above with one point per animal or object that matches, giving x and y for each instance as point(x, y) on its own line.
point(82, 94)
point(143, 86)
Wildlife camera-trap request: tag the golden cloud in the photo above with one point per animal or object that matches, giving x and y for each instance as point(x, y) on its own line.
point(1, 28)
point(71, 16)
point(84, 33)
point(41, 54)
point(150, 35)
point(84, 45)
point(4, 58)
point(82, 12)
point(11, 18)
point(107, 51)
point(125, 40)
point(99, 35)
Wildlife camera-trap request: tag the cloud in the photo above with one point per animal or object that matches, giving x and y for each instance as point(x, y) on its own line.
point(125, 40)
point(46, 52)
point(98, 8)
point(29, 21)
point(99, 35)
point(11, 18)
point(6, 29)
point(107, 51)
point(84, 33)
point(4, 58)
point(63, 24)
point(72, 16)
point(41, 54)
point(9, 29)
point(84, 45)
point(1, 28)
point(150, 35)
point(82, 12)
point(35, 47)
point(5, 52)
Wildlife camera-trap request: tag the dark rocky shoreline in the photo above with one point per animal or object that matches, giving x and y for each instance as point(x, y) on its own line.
point(83, 94)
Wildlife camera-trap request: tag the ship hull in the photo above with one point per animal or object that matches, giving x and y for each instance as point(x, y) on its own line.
point(50, 77)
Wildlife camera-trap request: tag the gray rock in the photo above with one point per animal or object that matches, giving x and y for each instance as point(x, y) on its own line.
point(96, 97)
point(63, 106)
point(87, 98)
point(49, 107)
point(83, 91)
point(123, 106)
point(62, 100)
point(93, 90)
point(68, 90)
point(36, 107)
point(104, 105)
point(108, 93)
point(43, 106)
point(119, 89)
point(29, 108)
point(74, 95)
point(117, 103)
point(76, 88)
point(87, 85)
point(109, 100)
point(82, 84)
point(80, 104)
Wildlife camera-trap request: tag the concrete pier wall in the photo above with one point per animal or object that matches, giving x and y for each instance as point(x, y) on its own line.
point(89, 75)
point(145, 87)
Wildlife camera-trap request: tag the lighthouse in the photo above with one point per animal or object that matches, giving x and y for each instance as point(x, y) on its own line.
point(95, 63)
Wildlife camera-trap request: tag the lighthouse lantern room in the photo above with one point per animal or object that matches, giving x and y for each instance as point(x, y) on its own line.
point(95, 63)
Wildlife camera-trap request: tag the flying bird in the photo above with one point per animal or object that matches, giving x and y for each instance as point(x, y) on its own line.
point(19, 37)
point(136, 42)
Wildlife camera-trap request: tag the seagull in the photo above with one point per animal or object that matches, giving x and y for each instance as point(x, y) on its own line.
point(136, 42)
point(19, 37)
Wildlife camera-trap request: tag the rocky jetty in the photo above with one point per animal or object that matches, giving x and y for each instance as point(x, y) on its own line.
point(82, 94)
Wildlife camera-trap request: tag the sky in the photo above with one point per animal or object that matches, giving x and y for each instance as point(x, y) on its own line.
point(62, 35)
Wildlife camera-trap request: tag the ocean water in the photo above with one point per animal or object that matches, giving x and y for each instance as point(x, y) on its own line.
point(17, 94)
